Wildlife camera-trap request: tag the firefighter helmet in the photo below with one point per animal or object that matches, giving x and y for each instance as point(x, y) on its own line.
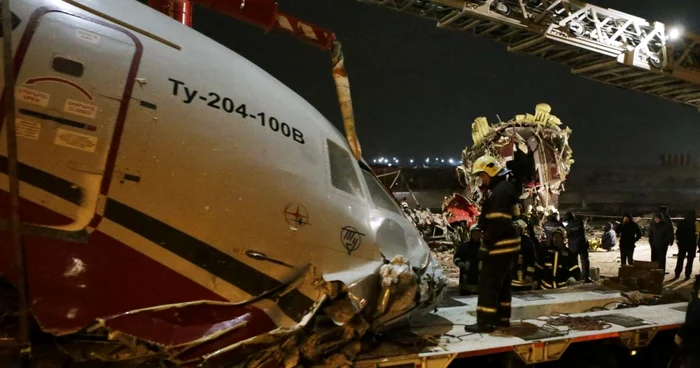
point(522, 224)
point(489, 165)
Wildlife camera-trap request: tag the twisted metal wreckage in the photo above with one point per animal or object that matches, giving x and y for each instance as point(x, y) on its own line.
point(534, 147)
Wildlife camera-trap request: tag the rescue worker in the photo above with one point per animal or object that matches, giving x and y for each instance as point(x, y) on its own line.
point(467, 259)
point(556, 264)
point(500, 245)
point(551, 224)
point(687, 244)
point(660, 237)
point(630, 233)
point(688, 336)
point(609, 240)
point(578, 244)
point(523, 272)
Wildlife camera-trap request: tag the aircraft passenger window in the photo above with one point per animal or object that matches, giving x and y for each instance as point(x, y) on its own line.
point(379, 195)
point(67, 66)
point(15, 23)
point(343, 174)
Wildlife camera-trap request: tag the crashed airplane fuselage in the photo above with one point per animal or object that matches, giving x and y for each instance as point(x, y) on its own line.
point(534, 147)
point(181, 204)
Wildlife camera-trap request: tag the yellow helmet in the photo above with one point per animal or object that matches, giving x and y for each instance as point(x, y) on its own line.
point(487, 164)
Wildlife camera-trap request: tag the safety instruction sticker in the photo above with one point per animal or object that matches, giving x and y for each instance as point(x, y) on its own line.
point(88, 36)
point(80, 108)
point(28, 129)
point(32, 96)
point(79, 141)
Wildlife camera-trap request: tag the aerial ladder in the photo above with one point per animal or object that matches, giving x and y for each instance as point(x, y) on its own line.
point(597, 43)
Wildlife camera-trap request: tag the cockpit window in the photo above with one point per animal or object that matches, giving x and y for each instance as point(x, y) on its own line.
point(15, 23)
point(379, 195)
point(343, 174)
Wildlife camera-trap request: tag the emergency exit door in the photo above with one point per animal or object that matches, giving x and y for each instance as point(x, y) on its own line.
point(69, 95)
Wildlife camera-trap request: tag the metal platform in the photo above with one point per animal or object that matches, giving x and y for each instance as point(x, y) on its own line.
point(636, 327)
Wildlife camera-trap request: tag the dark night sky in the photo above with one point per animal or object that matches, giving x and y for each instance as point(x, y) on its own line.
point(416, 88)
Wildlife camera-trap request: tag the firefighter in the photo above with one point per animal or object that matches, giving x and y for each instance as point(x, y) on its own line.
point(551, 224)
point(556, 265)
point(467, 259)
point(500, 246)
point(527, 258)
point(576, 236)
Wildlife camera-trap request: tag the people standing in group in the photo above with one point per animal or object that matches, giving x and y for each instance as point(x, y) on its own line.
point(660, 237)
point(576, 236)
point(609, 240)
point(630, 233)
point(687, 244)
point(500, 246)
point(467, 259)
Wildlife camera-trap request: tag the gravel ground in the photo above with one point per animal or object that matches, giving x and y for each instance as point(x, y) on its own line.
point(607, 262)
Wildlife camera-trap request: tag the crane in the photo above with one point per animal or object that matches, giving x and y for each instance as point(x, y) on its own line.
point(597, 43)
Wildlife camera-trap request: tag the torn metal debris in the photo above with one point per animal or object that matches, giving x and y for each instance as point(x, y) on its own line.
point(535, 147)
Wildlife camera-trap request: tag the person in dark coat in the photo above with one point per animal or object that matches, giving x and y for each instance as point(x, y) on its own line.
point(660, 237)
point(687, 244)
point(524, 268)
point(576, 236)
point(667, 220)
point(609, 240)
point(630, 233)
point(467, 259)
point(551, 224)
point(556, 264)
point(499, 247)
point(688, 335)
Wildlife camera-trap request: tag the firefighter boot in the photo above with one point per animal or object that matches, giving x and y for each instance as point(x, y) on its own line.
point(479, 328)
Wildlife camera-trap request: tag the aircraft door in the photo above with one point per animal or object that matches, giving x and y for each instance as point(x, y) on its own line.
point(69, 94)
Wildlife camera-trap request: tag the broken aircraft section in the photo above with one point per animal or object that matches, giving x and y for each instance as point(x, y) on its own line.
point(534, 147)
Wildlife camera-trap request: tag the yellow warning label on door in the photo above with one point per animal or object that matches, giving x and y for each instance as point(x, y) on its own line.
point(75, 140)
point(28, 129)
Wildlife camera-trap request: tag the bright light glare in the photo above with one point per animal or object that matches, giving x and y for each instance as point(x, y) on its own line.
point(427, 160)
point(450, 161)
point(411, 160)
point(674, 34)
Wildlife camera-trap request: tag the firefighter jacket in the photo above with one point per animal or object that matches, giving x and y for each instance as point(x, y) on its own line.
point(467, 259)
point(524, 269)
point(496, 220)
point(555, 266)
point(551, 224)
